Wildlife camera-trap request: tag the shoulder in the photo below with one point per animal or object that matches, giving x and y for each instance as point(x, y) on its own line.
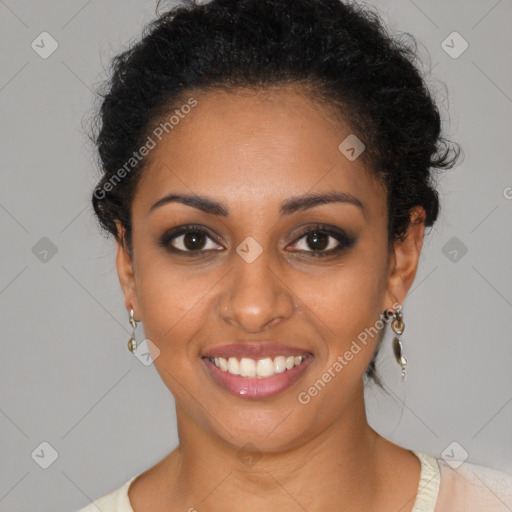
point(115, 501)
point(466, 486)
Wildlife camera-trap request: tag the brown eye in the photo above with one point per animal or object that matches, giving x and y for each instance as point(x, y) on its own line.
point(194, 240)
point(317, 240)
point(323, 241)
point(187, 239)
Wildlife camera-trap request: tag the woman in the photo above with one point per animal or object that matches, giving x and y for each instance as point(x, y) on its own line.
point(267, 175)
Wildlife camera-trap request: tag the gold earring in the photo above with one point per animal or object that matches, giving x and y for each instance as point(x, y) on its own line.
point(398, 327)
point(132, 342)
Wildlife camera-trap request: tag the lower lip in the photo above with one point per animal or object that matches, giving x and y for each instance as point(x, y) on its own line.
point(245, 387)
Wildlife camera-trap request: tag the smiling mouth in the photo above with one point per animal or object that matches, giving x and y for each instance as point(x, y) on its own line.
point(260, 378)
point(261, 368)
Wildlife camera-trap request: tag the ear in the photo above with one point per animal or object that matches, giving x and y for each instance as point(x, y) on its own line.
point(405, 258)
point(124, 265)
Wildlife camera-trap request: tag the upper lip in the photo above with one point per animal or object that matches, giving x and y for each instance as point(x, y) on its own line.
point(255, 350)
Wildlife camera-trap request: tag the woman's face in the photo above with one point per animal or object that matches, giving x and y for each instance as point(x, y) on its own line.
point(257, 275)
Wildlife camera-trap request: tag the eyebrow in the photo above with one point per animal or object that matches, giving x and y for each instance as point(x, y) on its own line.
point(289, 206)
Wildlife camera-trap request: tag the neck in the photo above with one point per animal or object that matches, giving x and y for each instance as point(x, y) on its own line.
point(338, 465)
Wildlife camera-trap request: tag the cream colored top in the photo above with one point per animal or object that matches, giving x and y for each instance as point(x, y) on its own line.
point(443, 487)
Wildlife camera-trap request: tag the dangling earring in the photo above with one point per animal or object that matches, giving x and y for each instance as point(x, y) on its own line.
point(398, 326)
point(132, 342)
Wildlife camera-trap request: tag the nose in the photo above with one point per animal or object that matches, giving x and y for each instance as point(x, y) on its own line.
point(256, 297)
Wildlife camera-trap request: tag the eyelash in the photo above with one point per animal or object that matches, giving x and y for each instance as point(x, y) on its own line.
point(344, 241)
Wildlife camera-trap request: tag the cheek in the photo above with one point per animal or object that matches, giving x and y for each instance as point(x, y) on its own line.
point(172, 301)
point(178, 304)
point(347, 313)
point(346, 309)
point(346, 299)
point(174, 307)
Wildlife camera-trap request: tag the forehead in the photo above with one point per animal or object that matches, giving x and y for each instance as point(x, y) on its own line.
point(251, 146)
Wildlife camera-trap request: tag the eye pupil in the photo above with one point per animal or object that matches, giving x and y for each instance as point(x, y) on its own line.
point(317, 240)
point(192, 240)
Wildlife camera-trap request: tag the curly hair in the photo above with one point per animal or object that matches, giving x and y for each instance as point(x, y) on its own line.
point(339, 53)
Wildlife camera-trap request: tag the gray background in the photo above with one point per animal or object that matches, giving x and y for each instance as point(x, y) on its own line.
point(66, 375)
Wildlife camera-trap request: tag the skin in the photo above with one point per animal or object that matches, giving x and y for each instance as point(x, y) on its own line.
point(250, 152)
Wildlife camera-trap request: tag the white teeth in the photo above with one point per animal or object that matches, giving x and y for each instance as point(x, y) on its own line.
point(247, 367)
point(262, 368)
point(233, 366)
point(265, 367)
point(279, 364)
